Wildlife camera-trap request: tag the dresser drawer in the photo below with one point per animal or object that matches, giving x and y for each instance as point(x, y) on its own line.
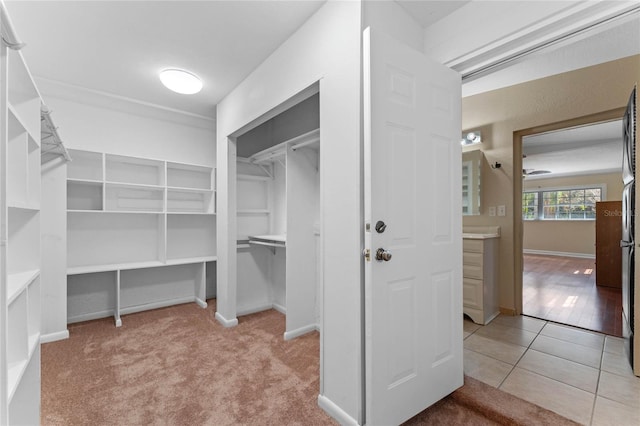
point(472, 245)
point(472, 271)
point(471, 259)
point(472, 293)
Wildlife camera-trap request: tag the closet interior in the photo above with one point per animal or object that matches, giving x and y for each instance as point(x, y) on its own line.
point(278, 217)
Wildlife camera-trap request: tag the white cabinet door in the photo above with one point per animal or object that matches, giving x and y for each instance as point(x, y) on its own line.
point(413, 301)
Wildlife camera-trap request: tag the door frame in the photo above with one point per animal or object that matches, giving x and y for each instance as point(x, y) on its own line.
point(518, 223)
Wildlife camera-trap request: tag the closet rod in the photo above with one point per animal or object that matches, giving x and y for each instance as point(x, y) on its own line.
point(45, 114)
point(9, 36)
point(303, 144)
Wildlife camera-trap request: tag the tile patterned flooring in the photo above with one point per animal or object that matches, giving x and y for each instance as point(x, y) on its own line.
point(579, 374)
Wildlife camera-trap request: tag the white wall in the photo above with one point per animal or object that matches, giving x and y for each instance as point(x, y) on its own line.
point(326, 49)
point(107, 124)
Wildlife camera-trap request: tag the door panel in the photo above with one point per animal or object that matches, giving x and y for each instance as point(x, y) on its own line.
point(413, 301)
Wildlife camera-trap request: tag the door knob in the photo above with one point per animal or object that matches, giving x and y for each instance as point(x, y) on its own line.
point(382, 254)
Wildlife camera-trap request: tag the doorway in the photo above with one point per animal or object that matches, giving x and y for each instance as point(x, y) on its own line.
point(570, 169)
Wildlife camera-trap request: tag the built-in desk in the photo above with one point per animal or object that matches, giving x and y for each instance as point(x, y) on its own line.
point(480, 275)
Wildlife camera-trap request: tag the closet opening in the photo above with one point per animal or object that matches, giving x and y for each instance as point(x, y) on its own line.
point(277, 200)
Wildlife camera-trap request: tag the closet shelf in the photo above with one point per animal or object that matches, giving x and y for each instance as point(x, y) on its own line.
point(189, 260)
point(116, 211)
point(269, 240)
point(277, 151)
point(23, 207)
point(16, 283)
point(77, 270)
point(194, 190)
point(133, 185)
point(253, 211)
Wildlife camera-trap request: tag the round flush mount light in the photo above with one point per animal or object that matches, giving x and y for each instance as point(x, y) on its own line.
point(181, 81)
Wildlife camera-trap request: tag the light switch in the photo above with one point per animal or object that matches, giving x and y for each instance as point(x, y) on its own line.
point(492, 211)
point(502, 210)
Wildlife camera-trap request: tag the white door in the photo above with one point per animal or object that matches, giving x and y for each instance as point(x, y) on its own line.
point(413, 301)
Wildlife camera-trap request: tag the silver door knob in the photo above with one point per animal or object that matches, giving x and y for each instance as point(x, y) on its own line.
point(382, 254)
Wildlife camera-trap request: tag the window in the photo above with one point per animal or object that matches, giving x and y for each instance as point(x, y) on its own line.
point(561, 204)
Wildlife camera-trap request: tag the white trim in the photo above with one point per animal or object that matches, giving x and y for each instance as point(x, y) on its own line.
point(248, 310)
point(288, 335)
point(83, 95)
point(336, 412)
point(225, 322)
point(572, 174)
point(156, 305)
point(54, 337)
point(201, 303)
point(280, 308)
point(559, 253)
point(91, 316)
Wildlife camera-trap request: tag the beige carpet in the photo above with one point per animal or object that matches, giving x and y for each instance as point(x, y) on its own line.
point(178, 366)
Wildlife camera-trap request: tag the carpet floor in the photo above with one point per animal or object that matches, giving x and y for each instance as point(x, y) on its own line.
point(178, 366)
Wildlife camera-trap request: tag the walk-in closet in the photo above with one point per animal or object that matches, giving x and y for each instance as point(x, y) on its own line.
point(278, 217)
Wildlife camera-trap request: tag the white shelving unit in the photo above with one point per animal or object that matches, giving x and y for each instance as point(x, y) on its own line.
point(140, 233)
point(20, 258)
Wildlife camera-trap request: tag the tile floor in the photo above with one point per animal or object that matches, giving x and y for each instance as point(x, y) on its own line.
point(579, 374)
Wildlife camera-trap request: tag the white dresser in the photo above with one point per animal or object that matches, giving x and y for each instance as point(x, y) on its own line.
point(480, 275)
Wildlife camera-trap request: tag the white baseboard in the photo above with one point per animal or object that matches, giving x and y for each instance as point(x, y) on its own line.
point(560, 253)
point(248, 310)
point(278, 307)
point(201, 303)
point(336, 412)
point(225, 322)
point(54, 337)
point(156, 305)
point(288, 335)
point(90, 316)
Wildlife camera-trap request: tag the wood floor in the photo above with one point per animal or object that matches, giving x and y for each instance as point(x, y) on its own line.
point(563, 290)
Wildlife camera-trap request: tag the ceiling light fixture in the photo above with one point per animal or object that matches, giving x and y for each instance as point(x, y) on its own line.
point(181, 81)
point(471, 138)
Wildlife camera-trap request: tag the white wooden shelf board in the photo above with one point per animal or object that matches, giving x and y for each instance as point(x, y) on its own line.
point(196, 190)
point(16, 283)
point(77, 270)
point(134, 185)
point(253, 211)
point(187, 261)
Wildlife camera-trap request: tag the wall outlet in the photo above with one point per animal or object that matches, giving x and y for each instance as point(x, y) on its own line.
point(502, 210)
point(492, 211)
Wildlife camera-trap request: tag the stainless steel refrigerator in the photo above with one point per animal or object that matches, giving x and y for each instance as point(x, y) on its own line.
point(628, 222)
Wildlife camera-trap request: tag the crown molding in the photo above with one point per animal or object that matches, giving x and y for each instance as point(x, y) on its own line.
point(481, 36)
point(83, 95)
